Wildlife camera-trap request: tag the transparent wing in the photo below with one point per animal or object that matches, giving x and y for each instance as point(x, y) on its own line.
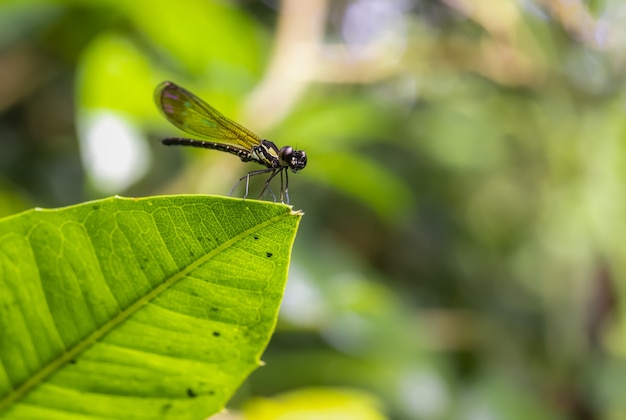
point(194, 116)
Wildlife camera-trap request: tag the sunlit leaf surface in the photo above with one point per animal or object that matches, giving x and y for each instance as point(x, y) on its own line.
point(138, 308)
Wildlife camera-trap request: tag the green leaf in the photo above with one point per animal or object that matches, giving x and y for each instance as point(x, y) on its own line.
point(138, 308)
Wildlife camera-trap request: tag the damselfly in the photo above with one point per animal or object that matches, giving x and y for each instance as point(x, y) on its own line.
point(194, 116)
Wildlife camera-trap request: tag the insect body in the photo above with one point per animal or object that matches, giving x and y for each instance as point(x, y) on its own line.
point(194, 116)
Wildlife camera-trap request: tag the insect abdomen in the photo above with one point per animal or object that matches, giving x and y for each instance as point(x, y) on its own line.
point(243, 154)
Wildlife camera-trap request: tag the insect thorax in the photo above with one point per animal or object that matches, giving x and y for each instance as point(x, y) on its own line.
point(266, 154)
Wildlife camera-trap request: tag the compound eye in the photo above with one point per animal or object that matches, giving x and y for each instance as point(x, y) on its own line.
point(286, 154)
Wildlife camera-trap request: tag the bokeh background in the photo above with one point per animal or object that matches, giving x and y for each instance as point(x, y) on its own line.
point(462, 253)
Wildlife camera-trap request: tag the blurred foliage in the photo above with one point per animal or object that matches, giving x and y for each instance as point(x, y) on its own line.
point(461, 254)
point(314, 403)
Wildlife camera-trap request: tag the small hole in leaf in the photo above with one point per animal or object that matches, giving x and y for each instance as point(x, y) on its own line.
point(216, 333)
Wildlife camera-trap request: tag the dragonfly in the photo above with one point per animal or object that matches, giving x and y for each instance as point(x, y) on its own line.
point(215, 131)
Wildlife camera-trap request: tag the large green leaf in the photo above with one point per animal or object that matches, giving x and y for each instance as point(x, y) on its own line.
point(138, 308)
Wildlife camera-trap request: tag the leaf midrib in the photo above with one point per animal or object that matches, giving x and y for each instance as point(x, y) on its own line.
point(57, 363)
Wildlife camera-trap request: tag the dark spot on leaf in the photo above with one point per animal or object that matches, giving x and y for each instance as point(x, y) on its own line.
point(211, 392)
point(191, 253)
point(256, 237)
point(216, 333)
point(166, 407)
point(95, 207)
point(214, 309)
point(72, 362)
point(141, 267)
point(269, 254)
point(191, 393)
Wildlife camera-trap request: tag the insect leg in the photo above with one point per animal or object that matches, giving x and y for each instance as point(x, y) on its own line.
point(286, 185)
point(266, 187)
point(247, 178)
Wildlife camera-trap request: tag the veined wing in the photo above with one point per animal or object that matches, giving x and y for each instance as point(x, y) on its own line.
point(194, 116)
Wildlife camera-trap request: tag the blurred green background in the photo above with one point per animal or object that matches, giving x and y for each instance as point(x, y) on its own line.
point(462, 253)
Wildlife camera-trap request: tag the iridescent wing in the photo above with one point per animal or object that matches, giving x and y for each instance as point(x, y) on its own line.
point(194, 116)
